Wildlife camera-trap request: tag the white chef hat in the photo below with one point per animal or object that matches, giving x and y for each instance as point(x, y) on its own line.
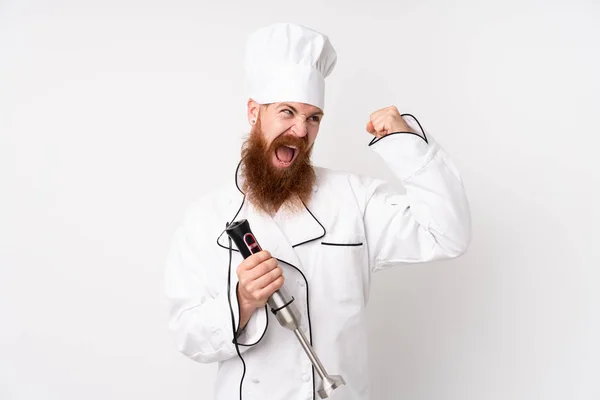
point(288, 62)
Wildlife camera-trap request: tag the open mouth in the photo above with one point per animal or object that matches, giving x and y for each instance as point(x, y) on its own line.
point(285, 155)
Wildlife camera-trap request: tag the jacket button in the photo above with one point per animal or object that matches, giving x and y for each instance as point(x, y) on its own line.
point(255, 380)
point(306, 377)
point(300, 282)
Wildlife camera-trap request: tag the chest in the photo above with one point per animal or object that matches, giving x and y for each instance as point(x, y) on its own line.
point(322, 251)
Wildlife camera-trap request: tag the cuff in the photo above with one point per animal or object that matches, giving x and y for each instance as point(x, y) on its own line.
point(256, 327)
point(406, 152)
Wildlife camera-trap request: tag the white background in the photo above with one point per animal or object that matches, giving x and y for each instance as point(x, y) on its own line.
point(114, 115)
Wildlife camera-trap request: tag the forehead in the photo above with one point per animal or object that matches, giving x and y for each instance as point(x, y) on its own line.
point(299, 107)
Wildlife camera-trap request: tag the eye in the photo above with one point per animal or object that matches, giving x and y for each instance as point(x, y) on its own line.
point(286, 110)
point(316, 118)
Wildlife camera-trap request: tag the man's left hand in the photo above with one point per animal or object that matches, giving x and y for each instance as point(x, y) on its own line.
point(386, 121)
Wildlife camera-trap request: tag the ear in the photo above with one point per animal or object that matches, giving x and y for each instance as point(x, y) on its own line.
point(253, 110)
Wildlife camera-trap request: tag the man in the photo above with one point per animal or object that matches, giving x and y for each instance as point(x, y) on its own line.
point(323, 232)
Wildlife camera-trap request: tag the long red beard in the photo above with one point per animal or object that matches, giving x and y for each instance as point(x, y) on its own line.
point(270, 188)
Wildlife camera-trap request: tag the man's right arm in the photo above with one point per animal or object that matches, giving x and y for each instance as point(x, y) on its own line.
point(200, 316)
point(245, 314)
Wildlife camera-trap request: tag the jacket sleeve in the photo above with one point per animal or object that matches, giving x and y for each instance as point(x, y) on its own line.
point(200, 316)
point(432, 220)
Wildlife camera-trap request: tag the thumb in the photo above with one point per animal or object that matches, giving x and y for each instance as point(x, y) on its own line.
point(370, 127)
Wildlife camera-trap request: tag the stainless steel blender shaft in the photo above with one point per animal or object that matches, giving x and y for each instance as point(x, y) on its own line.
point(288, 316)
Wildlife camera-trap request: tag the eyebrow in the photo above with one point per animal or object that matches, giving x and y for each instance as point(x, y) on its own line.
point(294, 110)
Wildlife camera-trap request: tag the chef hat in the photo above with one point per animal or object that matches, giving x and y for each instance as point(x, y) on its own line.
point(288, 62)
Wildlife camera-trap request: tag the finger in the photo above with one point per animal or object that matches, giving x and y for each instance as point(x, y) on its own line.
point(261, 269)
point(379, 124)
point(254, 260)
point(265, 280)
point(271, 288)
point(376, 114)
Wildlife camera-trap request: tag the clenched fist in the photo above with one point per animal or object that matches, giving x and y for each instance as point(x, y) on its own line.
point(259, 277)
point(386, 121)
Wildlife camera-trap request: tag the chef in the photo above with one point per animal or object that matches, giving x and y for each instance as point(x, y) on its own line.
point(323, 232)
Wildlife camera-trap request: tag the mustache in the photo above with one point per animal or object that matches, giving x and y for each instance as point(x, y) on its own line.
point(301, 143)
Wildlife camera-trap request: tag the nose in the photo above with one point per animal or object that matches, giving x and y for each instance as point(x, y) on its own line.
point(300, 129)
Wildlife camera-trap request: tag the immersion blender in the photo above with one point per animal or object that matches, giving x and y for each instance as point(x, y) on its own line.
point(282, 305)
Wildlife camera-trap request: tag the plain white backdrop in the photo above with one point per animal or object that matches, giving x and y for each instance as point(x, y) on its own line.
point(114, 115)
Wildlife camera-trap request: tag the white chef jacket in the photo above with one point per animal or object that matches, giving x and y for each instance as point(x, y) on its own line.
point(352, 227)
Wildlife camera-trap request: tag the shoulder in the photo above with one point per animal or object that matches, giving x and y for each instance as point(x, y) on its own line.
point(215, 199)
point(209, 212)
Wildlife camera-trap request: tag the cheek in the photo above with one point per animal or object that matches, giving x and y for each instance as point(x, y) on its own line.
point(312, 136)
point(272, 133)
point(276, 129)
point(270, 136)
